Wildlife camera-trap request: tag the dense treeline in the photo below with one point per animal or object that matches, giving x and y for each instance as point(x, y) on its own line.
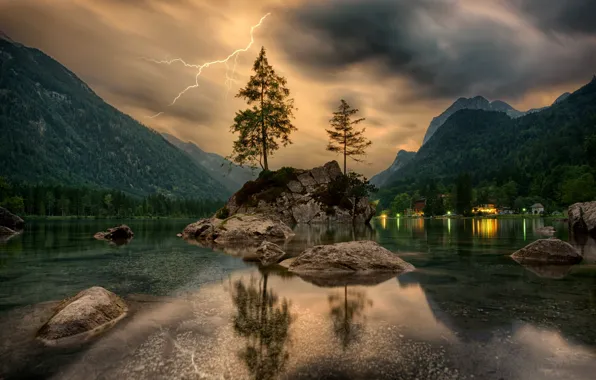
point(546, 157)
point(41, 200)
point(54, 130)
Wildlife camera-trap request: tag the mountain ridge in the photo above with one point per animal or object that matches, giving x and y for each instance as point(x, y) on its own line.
point(57, 130)
point(232, 176)
point(491, 146)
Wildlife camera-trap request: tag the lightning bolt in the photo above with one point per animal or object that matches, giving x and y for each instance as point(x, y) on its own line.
point(200, 67)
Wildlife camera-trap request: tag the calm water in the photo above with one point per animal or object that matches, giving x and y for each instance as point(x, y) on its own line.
point(468, 311)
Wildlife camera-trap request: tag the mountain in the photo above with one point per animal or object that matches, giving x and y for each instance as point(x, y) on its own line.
point(232, 177)
point(542, 146)
point(56, 130)
point(480, 103)
point(402, 158)
point(475, 103)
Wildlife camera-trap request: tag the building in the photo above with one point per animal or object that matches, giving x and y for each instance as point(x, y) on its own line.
point(418, 207)
point(485, 209)
point(537, 208)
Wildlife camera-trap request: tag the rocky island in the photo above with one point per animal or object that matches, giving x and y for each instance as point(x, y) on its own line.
point(319, 195)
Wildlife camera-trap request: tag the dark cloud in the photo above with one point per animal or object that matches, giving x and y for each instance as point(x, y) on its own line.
point(436, 45)
point(564, 16)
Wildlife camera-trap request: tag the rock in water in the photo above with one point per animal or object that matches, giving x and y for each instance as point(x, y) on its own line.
point(90, 311)
point(549, 251)
point(582, 218)
point(301, 197)
point(10, 220)
point(348, 258)
point(239, 228)
point(269, 253)
point(122, 232)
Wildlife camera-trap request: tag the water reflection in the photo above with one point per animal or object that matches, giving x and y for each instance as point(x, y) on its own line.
point(263, 321)
point(347, 314)
point(486, 228)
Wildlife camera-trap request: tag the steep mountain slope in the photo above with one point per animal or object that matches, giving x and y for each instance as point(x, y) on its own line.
point(480, 103)
point(491, 145)
point(402, 158)
point(56, 130)
point(476, 103)
point(233, 177)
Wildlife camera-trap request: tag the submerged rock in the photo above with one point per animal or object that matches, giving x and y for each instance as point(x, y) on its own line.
point(269, 253)
point(582, 218)
point(548, 230)
point(551, 251)
point(91, 311)
point(7, 234)
point(10, 220)
point(356, 257)
point(5, 231)
point(120, 233)
point(239, 228)
point(301, 197)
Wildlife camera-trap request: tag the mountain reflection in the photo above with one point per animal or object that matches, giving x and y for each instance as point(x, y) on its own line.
point(347, 314)
point(263, 320)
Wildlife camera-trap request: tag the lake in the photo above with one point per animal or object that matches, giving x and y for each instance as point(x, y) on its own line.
point(467, 312)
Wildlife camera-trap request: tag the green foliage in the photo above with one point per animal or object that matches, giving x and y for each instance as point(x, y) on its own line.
point(268, 123)
point(463, 195)
point(222, 213)
point(528, 157)
point(344, 190)
point(434, 201)
point(40, 200)
point(56, 131)
point(579, 189)
point(343, 138)
point(268, 186)
point(401, 203)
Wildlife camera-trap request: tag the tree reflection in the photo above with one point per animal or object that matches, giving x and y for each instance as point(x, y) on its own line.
point(347, 314)
point(264, 321)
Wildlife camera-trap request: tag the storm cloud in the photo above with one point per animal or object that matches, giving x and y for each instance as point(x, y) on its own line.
point(439, 48)
point(400, 62)
point(569, 16)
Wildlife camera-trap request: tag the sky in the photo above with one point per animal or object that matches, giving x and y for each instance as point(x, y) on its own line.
point(400, 62)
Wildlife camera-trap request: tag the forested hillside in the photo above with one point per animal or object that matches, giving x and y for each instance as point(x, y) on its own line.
point(56, 131)
point(231, 176)
point(551, 153)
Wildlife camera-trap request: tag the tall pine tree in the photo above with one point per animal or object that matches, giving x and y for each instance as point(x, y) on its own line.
point(343, 138)
point(267, 124)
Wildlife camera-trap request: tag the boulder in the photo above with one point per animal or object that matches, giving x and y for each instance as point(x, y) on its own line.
point(10, 220)
point(582, 218)
point(550, 251)
point(120, 233)
point(239, 228)
point(269, 253)
point(301, 197)
point(362, 257)
point(91, 311)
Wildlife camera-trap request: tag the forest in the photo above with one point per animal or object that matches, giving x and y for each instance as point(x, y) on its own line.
point(62, 201)
point(548, 157)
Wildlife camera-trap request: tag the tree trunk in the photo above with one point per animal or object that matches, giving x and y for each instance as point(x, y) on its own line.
point(263, 131)
point(345, 148)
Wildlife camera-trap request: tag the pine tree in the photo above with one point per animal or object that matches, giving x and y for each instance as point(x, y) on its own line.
point(343, 137)
point(267, 124)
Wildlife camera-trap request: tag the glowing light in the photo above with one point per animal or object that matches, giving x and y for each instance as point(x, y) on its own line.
point(448, 212)
point(200, 67)
point(398, 215)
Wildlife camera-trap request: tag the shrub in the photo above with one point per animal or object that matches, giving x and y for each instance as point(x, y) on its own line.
point(222, 213)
